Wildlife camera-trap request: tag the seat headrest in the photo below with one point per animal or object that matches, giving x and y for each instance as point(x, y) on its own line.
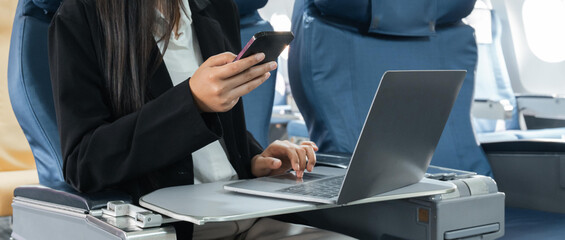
point(48, 5)
point(249, 6)
point(397, 17)
point(357, 11)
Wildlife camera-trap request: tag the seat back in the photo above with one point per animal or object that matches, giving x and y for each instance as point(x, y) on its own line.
point(258, 104)
point(29, 86)
point(342, 48)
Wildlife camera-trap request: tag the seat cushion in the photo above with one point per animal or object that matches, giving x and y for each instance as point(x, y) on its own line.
point(11, 180)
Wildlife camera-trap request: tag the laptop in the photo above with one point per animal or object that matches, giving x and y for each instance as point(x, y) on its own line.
point(394, 149)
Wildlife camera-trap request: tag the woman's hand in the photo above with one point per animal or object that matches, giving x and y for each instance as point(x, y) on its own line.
point(281, 156)
point(219, 82)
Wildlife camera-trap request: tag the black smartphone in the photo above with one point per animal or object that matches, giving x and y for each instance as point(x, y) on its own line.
point(270, 43)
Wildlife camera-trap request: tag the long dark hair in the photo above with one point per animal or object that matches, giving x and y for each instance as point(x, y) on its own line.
point(128, 27)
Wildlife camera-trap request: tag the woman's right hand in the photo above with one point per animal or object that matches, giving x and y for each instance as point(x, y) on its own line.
point(219, 82)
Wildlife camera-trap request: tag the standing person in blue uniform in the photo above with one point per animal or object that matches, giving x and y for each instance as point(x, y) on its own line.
point(147, 96)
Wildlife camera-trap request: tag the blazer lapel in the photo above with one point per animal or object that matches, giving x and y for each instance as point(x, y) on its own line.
point(160, 80)
point(208, 30)
point(198, 5)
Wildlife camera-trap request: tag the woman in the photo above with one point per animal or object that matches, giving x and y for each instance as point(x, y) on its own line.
point(137, 108)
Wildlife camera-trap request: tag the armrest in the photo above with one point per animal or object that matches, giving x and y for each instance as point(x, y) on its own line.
point(490, 109)
point(544, 106)
point(542, 111)
point(63, 194)
point(530, 172)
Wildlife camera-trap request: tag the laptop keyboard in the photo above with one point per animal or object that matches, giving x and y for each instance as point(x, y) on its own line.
point(327, 188)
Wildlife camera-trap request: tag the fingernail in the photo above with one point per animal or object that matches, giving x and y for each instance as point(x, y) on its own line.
point(273, 65)
point(259, 56)
point(297, 167)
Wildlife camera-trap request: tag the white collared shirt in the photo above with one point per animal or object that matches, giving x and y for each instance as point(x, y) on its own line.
point(182, 58)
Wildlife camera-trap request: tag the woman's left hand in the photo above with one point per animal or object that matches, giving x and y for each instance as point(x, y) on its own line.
point(281, 156)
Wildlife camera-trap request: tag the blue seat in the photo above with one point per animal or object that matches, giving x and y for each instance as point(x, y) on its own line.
point(258, 104)
point(342, 48)
point(29, 86)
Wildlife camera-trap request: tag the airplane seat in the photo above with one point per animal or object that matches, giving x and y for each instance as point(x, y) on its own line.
point(258, 104)
point(515, 151)
point(531, 36)
point(497, 115)
point(17, 166)
point(58, 211)
point(340, 51)
point(30, 88)
point(297, 131)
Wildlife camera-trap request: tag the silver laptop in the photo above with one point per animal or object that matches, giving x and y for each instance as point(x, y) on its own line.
point(394, 149)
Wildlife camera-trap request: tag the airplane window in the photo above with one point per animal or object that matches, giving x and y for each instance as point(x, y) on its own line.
point(543, 27)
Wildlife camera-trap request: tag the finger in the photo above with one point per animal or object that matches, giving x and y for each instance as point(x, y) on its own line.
point(247, 87)
point(233, 103)
point(264, 165)
point(311, 158)
point(310, 143)
point(250, 74)
point(301, 159)
point(269, 163)
point(219, 59)
point(233, 68)
point(293, 158)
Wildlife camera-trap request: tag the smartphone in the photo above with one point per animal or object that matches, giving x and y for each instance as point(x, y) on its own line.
point(270, 43)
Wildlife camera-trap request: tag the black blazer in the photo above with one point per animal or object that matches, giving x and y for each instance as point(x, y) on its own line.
point(150, 148)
